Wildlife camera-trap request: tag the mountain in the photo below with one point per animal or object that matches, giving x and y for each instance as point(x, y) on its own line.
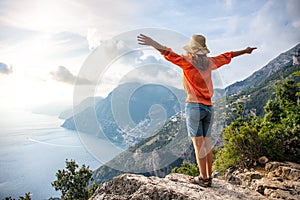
point(147, 153)
point(262, 74)
point(156, 155)
point(129, 112)
point(254, 99)
point(89, 101)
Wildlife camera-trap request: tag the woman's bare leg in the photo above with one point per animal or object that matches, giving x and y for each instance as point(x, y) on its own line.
point(209, 158)
point(201, 157)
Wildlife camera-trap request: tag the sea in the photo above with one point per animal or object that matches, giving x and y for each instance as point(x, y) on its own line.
point(33, 147)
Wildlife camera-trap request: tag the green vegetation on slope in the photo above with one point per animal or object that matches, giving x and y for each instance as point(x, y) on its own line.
point(275, 135)
point(254, 99)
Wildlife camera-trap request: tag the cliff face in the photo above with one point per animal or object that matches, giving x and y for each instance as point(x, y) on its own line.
point(173, 186)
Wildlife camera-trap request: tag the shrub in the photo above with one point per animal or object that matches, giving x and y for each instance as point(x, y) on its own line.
point(276, 135)
point(73, 183)
point(187, 168)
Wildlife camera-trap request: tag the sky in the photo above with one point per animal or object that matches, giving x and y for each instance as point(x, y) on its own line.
point(45, 43)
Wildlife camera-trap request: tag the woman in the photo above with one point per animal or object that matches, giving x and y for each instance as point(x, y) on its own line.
point(197, 68)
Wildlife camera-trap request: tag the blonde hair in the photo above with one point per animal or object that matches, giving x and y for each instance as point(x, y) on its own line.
point(200, 61)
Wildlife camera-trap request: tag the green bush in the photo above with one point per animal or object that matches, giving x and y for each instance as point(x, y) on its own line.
point(242, 145)
point(187, 168)
point(276, 135)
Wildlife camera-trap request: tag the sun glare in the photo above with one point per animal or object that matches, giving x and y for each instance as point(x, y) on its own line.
point(44, 16)
point(23, 92)
point(30, 83)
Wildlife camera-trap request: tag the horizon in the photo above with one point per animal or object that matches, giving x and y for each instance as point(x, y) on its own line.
point(45, 44)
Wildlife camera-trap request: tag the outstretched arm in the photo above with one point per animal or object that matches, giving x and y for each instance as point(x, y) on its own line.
point(248, 50)
point(145, 40)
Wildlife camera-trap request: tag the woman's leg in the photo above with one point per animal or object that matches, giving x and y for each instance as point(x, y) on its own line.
point(208, 157)
point(198, 118)
point(201, 157)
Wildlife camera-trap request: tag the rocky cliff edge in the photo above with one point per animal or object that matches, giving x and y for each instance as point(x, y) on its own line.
point(173, 186)
point(274, 181)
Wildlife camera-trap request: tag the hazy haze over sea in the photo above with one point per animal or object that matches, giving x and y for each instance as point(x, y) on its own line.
point(32, 148)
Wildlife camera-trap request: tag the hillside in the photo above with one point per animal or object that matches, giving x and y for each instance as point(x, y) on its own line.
point(262, 74)
point(150, 154)
point(156, 155)
point(275, 180)
point(129, 112)
point(254, 99)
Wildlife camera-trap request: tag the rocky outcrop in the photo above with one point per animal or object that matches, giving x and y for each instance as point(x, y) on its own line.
point(276, 180)
point(296, 58)
point(173, 186)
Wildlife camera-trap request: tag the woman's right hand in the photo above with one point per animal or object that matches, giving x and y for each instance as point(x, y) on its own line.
point(145, 40)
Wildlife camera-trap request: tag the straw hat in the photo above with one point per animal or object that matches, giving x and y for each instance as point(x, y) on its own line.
point(197, 45)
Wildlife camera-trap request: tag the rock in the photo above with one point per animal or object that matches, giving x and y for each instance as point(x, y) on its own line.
point(279, 194)
point(234, 180)
point(263, 160)
point(215, 174)
point(276, 189)
point(244, 179)
point(228, 173)
point(173, 186)
point(279, 180)
point(255, 175)
point(286, 170)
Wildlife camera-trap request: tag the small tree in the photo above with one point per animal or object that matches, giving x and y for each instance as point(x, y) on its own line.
point(73, 183)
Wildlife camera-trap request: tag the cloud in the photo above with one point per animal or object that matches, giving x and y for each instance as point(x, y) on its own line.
point(93, 37)
point(272, 26)
point(72, 44)
point(153, 70)
point(62, 74)
point(4, 69)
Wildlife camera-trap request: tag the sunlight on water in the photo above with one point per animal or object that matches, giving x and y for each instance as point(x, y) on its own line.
point(33, 148)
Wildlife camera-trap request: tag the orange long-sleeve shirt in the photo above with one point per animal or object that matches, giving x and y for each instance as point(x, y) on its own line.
point(197, 83)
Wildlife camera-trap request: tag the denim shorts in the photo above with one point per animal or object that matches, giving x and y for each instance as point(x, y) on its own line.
point(198, 119)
